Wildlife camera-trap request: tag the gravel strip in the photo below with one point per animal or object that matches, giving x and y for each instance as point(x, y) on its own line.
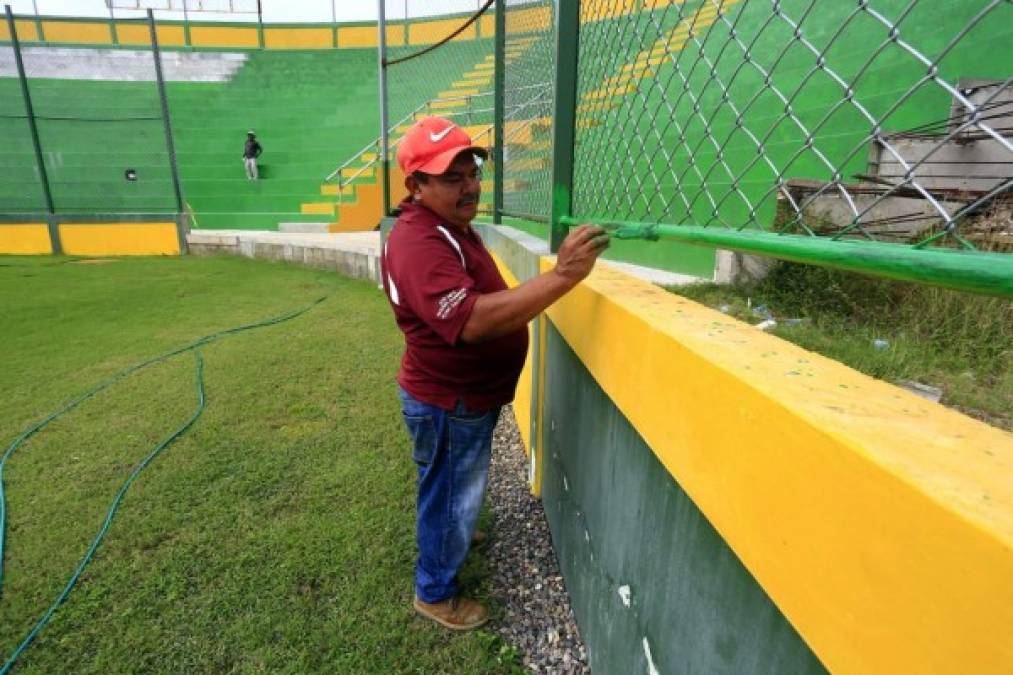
point(538, 621)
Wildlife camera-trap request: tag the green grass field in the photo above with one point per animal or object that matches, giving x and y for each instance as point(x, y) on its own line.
point(957, 342)
point(275, 536)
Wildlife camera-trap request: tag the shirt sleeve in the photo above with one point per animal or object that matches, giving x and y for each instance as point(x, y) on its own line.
point(433, 283)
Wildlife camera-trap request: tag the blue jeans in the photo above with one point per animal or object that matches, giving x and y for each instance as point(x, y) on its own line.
point(451, 451)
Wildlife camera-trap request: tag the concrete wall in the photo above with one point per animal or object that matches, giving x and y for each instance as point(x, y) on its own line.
point(359, 260)
point(724, 502)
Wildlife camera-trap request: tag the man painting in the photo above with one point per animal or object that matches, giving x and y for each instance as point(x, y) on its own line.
point(465, 343)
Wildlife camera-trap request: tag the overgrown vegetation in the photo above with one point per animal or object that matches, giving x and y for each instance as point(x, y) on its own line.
point(276, 536)
point(957, 342)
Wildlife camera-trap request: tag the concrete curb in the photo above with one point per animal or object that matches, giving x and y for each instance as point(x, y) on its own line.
point(356, 254)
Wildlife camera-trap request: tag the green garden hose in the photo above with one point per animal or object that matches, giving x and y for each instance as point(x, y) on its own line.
point(31, 431)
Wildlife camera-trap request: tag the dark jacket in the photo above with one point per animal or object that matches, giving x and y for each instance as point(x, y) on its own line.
point(252, 149)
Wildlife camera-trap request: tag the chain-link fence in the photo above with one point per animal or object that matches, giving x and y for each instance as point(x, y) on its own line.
point(883, 119)
point(877, 121)
point(82, 133)
point(875, 136)
point(440, 60)
point(529, 64)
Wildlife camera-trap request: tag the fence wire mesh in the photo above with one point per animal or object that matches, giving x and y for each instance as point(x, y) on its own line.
point(885, 120)
point(100, 128)
point(529, 63)
point(453, 79)
point(21, 188)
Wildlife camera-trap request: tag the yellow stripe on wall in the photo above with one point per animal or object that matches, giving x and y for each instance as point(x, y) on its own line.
point(223, 36)
point(24, 239)
point(429, 32)
point(365, 36)
point(139, 34)
point(528, 20)
point(606, 9)
point(26, 31)
point(119, 239)
point(879, 523)
point(298, 38)
point(522, 398)
point(77, 31)
point(487, 25)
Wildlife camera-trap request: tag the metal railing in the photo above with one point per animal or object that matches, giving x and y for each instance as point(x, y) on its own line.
point(874, 136)
point(426, 108)
point(871, 136)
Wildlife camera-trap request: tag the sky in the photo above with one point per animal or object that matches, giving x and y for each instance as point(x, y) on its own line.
point(275, 11)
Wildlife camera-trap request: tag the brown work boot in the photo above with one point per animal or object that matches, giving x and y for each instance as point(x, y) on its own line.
point(478, 538)
point(455, 613)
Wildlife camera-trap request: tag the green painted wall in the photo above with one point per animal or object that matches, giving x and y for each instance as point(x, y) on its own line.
point(310, 109)
point(618, 519)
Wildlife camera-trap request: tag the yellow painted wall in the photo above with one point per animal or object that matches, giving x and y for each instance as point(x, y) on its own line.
point(522, 398)
point(24, 239)
point(879, 523)
point(140, 34)
point(298, 38)
point(535, 19)
point(82, 32)
point(310, 37)
point(223, 36)
point(428, 32)
point(487, 25)
point(26, 31)
point(606, 9)
point(365, 36)
point(119, 239)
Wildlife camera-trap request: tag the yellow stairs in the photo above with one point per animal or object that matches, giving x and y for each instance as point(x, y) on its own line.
point(358, 206)
point(365, 211)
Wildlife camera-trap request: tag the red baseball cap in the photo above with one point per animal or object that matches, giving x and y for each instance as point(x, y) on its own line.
point(431, 145)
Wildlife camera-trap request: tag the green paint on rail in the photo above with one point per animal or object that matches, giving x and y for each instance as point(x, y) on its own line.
point(962, 270)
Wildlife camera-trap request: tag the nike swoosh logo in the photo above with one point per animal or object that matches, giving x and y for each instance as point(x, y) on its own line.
point(436, 138)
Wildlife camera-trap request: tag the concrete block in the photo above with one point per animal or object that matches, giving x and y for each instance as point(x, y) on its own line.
point(312, 228)
point(731, 267)
point(355, 254)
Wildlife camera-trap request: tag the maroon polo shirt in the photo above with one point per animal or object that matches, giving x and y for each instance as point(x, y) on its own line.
point(433, 274)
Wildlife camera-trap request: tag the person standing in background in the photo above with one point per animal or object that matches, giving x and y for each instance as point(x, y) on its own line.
point(251, 151)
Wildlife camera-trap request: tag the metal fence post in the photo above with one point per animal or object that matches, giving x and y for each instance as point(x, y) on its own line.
point(260, 24)
point(113, 33)
point(38, 23)
point(381, 24)
point(54, 232)
point(186, 26)
point(167, 123)
point(564, 118)
point(334, 23)
point(499, 99)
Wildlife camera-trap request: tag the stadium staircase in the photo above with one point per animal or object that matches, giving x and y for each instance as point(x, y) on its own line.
point(306, 108)
point(353, 193)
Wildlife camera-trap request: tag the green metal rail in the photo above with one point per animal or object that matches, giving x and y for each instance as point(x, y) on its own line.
point(975, 272)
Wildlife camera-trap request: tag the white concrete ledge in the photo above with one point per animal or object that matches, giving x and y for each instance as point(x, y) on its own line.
point(354, 254)
point(127, 65)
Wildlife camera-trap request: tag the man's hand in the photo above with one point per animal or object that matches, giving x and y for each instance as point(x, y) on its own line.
point(579, 250)
point(503, 312)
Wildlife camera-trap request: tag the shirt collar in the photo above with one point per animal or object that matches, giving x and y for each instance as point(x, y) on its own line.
point(417, 214)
